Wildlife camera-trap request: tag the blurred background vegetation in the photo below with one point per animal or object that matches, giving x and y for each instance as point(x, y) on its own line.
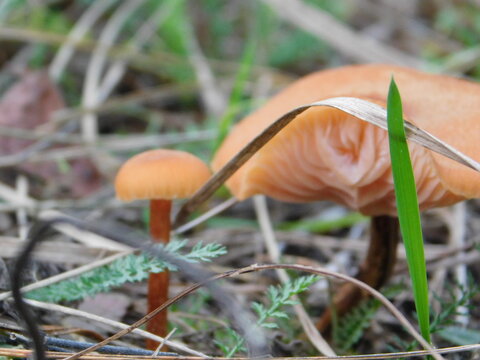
point(123, 76)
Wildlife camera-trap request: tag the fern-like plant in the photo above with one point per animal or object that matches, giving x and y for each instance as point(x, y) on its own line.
point(131, 268)
point(277, 297)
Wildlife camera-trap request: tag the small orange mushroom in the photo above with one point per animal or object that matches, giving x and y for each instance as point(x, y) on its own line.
point(160, 176)
point(326, 154)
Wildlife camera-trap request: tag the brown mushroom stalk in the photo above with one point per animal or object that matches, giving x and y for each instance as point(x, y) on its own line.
point(375, 270)
point(160, 176)
point(158, 284)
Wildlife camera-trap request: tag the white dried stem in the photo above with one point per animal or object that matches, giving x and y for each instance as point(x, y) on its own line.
point(82, 26)
point(114, 324)
point(21, 213)
point(457, 240)
point(271, 244)
point(117, 69)
point(96, 66)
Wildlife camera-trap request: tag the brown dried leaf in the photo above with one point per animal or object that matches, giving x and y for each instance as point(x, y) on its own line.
point(27, 105)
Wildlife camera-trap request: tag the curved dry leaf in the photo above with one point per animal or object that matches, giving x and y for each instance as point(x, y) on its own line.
point(362, 109)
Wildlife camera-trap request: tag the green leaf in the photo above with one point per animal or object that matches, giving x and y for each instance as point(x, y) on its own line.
point(407, 206)
point(269, 325)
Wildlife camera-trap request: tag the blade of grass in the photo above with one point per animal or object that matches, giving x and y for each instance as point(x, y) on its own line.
point(407, 207)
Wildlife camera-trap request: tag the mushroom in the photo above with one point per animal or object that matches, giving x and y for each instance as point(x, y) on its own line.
point(326, 154)
point(160, 176)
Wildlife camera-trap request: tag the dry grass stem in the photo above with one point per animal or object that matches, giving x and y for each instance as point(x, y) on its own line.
point(21, 213)
point(458, 231)
point(261, 209)
point(397, 355)
point(212, 97)
point(205, 216)
point(147, 30)
point(359, 108)
point(114, 324)
point(106, 144)
point(97, 63)
point(87, 238)
point(82, 26)
point(57, 252)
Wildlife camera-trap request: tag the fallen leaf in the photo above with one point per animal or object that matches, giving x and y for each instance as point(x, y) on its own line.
point(27, 105)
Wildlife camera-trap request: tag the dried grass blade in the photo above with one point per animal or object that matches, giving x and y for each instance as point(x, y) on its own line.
point(359, 108)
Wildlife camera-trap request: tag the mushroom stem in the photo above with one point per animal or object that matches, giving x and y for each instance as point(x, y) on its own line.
point(374, 271)
point(158, 283)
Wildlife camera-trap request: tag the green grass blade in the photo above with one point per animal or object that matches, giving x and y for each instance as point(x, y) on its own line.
point(407, 206)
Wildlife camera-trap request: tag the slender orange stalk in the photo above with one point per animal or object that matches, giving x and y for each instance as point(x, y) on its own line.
point(158, 283)
point(160, 175)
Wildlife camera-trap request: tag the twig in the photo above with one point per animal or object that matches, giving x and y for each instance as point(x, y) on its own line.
point(205, 216)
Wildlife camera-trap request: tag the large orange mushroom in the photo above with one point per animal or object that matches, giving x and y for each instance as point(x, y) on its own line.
point(326, 154)
point(160, 176)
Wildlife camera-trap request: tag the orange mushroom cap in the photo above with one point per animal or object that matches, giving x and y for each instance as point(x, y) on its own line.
point(326, 154)
point(160, 174)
